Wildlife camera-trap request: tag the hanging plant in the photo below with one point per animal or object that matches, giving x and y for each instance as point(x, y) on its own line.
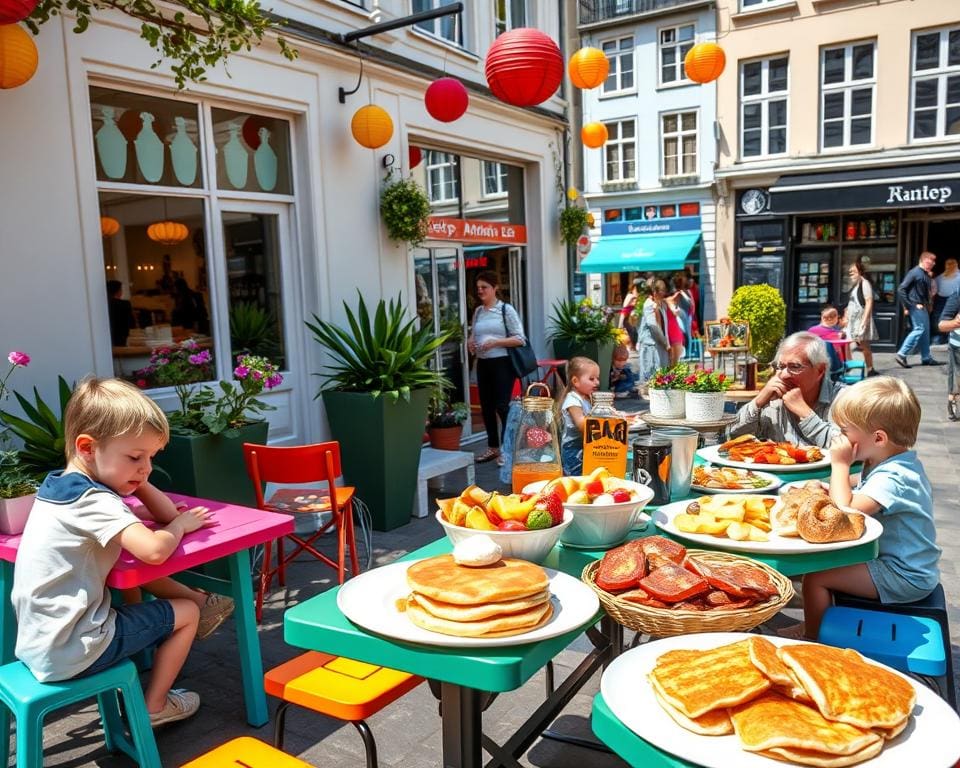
point(405, 209)
point(573, 220)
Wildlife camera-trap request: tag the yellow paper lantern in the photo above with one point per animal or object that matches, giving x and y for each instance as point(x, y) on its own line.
point(109, 226)
point(591, 221)
point(167, 232)
point(18, 56)
point(371, 126)
point(594, 135)
point(704, 62)
point(588, 68)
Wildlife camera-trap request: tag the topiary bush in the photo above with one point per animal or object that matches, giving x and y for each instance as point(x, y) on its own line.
point(763, 308)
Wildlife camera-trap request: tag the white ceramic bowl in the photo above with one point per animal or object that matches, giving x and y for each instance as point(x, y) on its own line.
point(523, 545)
point(597, 526)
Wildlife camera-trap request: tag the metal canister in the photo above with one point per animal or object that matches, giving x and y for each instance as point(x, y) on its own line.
point(651, 466)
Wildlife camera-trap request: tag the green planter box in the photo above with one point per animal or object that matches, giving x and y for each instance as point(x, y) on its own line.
point(380, 450)
point(209, 466)
point(600, 352)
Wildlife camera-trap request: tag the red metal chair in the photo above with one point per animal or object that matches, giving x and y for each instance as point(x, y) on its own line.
point(302, 464)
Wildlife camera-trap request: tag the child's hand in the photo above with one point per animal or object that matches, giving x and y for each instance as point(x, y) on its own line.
point(194, 519)
point(842, 450)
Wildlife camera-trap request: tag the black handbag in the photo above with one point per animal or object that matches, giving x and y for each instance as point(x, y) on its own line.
point(524, 359)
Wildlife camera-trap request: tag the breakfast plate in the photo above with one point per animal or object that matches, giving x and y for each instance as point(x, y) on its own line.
point(630, 697)
point(776, 545)
point(767, 481)
point(370, 600)
point(711, 454)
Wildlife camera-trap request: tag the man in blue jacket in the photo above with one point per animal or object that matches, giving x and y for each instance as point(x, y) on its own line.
point(916, 296)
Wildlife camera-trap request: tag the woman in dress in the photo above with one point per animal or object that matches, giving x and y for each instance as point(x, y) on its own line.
point(652, 332)
point(859, 315)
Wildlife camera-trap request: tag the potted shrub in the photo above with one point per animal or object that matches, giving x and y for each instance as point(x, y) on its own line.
point(573, 221)
point(375, 395)
point(18, 488)
point(581, 328)
point(445, 421)
point(703, 395)
point(763, 308)
point(665, 391)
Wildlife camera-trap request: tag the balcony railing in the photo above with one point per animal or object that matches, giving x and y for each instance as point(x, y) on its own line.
point(593, 11)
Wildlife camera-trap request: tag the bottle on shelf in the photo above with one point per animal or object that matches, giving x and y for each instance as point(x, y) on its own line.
point(851, 230)
point(863, 229)
point(873, 229)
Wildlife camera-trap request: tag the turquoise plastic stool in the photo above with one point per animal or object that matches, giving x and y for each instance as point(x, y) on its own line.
point(31, 701)
point(853, 371)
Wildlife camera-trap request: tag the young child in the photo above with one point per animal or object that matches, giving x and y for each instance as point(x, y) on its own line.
point(583, 377)
point(66, 626)
point(623, 381)
point(878, 420)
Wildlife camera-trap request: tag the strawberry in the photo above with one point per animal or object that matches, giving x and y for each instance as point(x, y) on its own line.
point(537, 437)
point(550, 502)
point(594, 488)
point(621, 495)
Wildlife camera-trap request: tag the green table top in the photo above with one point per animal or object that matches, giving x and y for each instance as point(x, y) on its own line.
point(626, 744)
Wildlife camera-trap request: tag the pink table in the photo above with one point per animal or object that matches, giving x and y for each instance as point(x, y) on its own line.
point(237, 529)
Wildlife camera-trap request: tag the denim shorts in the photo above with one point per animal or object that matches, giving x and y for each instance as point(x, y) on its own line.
point(138, 626)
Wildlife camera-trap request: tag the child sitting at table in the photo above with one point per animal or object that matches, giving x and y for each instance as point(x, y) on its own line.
point(829, 329)
point(66, 626)
point(583, 377)
point(623, 381)
point(878, 420)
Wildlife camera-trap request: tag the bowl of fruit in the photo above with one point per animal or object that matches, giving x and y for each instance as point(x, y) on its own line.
point(604, 507)
point(526, 526)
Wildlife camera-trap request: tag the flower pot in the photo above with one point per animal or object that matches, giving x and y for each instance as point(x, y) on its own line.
point(14, 513)
point(601, 352)
point(666, 403)
point(704, 406)
point(446, 438)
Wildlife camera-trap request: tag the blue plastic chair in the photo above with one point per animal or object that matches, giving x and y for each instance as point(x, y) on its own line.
point(31, 701)
point(853, 371)
point(694, 349)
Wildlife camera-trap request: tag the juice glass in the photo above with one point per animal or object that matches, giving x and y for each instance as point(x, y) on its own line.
point(524, 474)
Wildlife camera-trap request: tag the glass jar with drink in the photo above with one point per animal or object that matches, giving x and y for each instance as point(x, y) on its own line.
point(536, 449)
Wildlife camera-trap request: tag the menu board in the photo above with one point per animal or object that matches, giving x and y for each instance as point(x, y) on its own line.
point(813, 277)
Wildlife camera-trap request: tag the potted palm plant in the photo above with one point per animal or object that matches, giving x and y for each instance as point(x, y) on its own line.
point(584, 329)
point(376, 393)
point(445, 421)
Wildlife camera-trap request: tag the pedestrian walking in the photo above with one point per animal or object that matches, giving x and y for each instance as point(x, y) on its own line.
point(915, 294)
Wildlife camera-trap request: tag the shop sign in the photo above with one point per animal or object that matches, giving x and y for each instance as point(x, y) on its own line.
point(849, 196)
point(583, 245)
point(657, 226)
point(476, 231)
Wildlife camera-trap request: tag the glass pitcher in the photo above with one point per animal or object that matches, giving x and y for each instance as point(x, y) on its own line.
point(536, 449)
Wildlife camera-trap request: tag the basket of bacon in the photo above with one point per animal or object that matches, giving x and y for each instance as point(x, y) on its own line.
point(659, 587)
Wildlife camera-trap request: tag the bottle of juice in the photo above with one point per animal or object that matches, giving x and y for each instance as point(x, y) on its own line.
point(536, 450)
point(604, 437)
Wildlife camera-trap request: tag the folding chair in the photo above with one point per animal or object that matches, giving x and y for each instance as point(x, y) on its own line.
point(303, 464)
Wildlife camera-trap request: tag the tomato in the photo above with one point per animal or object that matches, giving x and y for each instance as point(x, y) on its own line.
point(512, 525)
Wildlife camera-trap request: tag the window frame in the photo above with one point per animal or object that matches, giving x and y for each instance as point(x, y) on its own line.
point(617, 72)
point(743, 7)
point(847, 86)
point(941, 74)
point(440, 167)
point(680, 133)
point(765, 98)
point(677, 46)
point(501, 176)
point(619, 141)
point(435, 30)
point(508, 22)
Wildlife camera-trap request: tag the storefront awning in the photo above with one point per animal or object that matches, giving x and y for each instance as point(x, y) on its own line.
point(641, 253)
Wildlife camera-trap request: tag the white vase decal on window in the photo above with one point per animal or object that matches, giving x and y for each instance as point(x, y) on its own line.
point(149, 150)
point(183, 153)
point(111, 146)
point(265, 162)
point(235, 158)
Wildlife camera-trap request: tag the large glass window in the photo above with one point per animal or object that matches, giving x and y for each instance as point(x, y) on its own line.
point(253, 152)
point(620, 54)
point(749, 5)
point(509, 14)
point(679, 135)
point(848, 93)
point(763, 107)
point(620, 151)
point(441, 176)
point(446, 27)
point(674, 43)
point(935, 91)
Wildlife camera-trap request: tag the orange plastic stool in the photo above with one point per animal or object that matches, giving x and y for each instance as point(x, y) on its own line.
point(246, 752)
point(338, 687)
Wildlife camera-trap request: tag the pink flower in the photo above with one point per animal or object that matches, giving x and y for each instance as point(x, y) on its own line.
point(20, 359)
point(273, 381)
point(241, 372)
point(200, 358)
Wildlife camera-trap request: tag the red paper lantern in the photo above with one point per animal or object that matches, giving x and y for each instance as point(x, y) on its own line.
point(12, 11)
point(414, 156)
point(446, 99)
point(250, 130)
point(524, 67)
point(588, 68)
point(594, 135)
point(704, 62)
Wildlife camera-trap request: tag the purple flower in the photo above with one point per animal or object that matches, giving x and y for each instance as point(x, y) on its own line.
point(257, 375)
point(200, 358)
point(274, 381)
point(241, 372)
point(20, 359)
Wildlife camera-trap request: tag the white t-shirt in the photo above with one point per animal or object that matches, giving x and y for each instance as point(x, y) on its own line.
point(489, 324)
point(571, 434)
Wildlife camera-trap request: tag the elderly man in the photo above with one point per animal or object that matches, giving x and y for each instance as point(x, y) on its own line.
point(794, 404)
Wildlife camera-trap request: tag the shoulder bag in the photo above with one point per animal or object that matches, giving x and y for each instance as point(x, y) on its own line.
point(523, 358)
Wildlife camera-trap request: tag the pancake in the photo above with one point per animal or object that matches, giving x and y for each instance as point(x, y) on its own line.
point(892, 733)
point(495, 626)
point(847, 688)
point(763, 654)
point(714, 723)
point(822, 759)
point(477, 612)
point(440, 578)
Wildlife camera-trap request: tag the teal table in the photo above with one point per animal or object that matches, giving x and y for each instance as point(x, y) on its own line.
point(625, 743)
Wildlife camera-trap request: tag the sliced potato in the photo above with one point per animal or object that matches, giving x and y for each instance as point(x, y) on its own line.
point(731, 512)
point(762, 525)
point(686, 523)
point(739, 531)
point(713, 529)
point(757, 535)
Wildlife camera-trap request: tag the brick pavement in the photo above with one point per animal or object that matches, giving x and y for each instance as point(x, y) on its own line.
point(408, 731)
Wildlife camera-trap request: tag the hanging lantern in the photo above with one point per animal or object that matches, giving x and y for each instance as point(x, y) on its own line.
point(446, 99)
point(588, 68)
point(704, 62)
point(524, 67)
point(414, 156)
point(167, 232)
point(371, 126)
point(109, 226)
point(18, 56)
point(12, 11)
point(594, 135)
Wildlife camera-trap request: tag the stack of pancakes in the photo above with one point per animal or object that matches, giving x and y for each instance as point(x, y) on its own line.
point(508, 597)
point(810, 703)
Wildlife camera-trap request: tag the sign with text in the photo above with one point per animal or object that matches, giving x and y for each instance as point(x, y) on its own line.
point(655, 226)
point(915, 192)
point(476, 231)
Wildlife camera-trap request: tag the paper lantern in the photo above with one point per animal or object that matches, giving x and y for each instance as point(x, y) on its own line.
point(167, 232)
point(18, 56)
point(371, 126)
point(109, 226)
point(12, 11)
point(414, 156)
point(704, 62)
point(588, 68)
point(524, 67)
point(594, 135)
point(250, 130)
point(446, 99)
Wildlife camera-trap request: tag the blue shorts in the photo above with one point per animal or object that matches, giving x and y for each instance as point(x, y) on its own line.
point(891, 586)
point(138, 626)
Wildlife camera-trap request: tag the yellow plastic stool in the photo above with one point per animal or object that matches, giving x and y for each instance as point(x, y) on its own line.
point(246, 752)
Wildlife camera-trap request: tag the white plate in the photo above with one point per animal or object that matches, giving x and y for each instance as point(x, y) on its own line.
point(370, 601)
point(711, 454)
point(775, 482)
point(630, 697)
point(777, 545)
point(825, 484)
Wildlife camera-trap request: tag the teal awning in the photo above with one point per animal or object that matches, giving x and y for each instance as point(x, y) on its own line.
point(665, 252)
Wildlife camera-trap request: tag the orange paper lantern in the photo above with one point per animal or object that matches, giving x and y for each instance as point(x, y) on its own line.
point(704, 62)
point(18, 56)
point(167, 232)
point(588, 68)
point(109, 226)
point(594, 135)
point(371, 126)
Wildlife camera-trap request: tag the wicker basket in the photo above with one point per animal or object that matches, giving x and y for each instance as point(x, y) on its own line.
point(663, 622)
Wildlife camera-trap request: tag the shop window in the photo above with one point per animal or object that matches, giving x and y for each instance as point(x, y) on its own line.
point(509, 14)
point(633, 214)
point(620, 151)
point(441, 169)
point(678, 132)
point(847, 93)
point(689, 209)
point(494, 179)
point(620, 54)
point(751, 5)
point(674, 43)
point(668, 211)
point(615, 214)
point(763, 107)
point(935, 88)
point(253, 152)
point(445, 27)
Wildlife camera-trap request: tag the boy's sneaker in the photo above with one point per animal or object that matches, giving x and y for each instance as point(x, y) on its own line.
point(180, 705)
point(215, 611)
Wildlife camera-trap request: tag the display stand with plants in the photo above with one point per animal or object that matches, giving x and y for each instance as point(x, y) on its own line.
point(583, 329)
point(445, 421)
